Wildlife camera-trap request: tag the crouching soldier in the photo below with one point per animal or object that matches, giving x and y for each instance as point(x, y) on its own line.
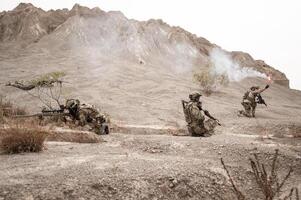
point(196, 123)
point(87, 114)
point(250, 100)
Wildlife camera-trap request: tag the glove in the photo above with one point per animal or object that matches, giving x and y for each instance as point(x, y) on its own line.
point(267, 86)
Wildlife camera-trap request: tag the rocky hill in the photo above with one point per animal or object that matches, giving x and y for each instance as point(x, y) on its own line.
point(112, 32)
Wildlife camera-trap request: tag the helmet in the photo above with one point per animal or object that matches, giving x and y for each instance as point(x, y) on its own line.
point(194, 96)
point(256, 87)
point(72, 103)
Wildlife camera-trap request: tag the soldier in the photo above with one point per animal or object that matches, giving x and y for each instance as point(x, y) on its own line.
point(197, 125)
point(87, 114)
point(249, 101)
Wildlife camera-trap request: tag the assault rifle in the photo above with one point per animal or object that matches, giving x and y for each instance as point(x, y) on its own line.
point(260, 100)
point(45, 113)
point(53, 111)
point(41, 115)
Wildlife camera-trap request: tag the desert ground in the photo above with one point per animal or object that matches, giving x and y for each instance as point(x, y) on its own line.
point(110, 62)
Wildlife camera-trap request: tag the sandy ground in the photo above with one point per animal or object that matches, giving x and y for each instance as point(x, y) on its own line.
point(143, 167)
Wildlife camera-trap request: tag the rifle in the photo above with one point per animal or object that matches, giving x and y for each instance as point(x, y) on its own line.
point(260, 100)
point(53, 111)
point(41, 115)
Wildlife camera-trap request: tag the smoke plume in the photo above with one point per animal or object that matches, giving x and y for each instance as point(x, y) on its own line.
point(223, 64)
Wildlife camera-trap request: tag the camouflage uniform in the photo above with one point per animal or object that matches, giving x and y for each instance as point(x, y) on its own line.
point(197, 125)
point(249, 103)
point(87, 114)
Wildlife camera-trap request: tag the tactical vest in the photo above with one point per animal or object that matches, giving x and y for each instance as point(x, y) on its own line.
point(249, 97)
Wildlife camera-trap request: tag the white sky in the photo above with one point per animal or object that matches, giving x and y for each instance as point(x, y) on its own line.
point(269, 30)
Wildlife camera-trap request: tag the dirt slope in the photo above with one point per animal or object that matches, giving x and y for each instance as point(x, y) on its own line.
point(142, 167)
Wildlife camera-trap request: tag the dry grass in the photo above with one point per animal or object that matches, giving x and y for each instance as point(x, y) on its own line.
point(7, 109)
point(25, 137)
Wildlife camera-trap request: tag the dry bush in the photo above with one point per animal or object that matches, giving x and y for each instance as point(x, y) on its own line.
point(210, 81)
point(25, 137)
point(7, 109)
point(268, 182)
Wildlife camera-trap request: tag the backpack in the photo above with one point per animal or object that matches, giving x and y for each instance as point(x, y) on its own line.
point(190, 116)
point(186, 112)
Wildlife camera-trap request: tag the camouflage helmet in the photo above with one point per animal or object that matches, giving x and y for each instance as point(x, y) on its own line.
point(254, 87)
point(72, 103)
point(194, 96)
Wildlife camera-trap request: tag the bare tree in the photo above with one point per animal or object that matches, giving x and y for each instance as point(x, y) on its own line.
point(47, 88)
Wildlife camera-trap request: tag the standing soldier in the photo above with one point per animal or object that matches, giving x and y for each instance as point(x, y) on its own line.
point(197, 126)
point(249, 101)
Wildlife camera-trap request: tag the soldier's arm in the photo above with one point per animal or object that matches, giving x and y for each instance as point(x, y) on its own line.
point(206, 112)
point(261, 90)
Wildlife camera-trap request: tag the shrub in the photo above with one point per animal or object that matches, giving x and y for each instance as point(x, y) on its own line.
point(22, 138)
point(7, 109)
point(209, 81)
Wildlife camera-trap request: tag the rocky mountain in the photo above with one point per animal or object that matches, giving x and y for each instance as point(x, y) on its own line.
point(112, 32)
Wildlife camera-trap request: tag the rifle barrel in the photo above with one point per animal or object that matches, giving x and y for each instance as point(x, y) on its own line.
point(41, 115)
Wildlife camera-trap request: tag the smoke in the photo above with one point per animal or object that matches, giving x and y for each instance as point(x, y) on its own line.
point(223, 64)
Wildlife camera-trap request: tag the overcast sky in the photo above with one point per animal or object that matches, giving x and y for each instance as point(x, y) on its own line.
point(269, 30)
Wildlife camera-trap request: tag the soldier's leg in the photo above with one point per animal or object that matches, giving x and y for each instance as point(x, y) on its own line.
point(190, 130)
point(253, 110)
point(247, 107)
point(199, 131)
point(82, 119)
point(209, 126)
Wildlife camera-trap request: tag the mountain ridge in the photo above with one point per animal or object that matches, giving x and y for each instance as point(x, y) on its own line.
point(28, 24)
